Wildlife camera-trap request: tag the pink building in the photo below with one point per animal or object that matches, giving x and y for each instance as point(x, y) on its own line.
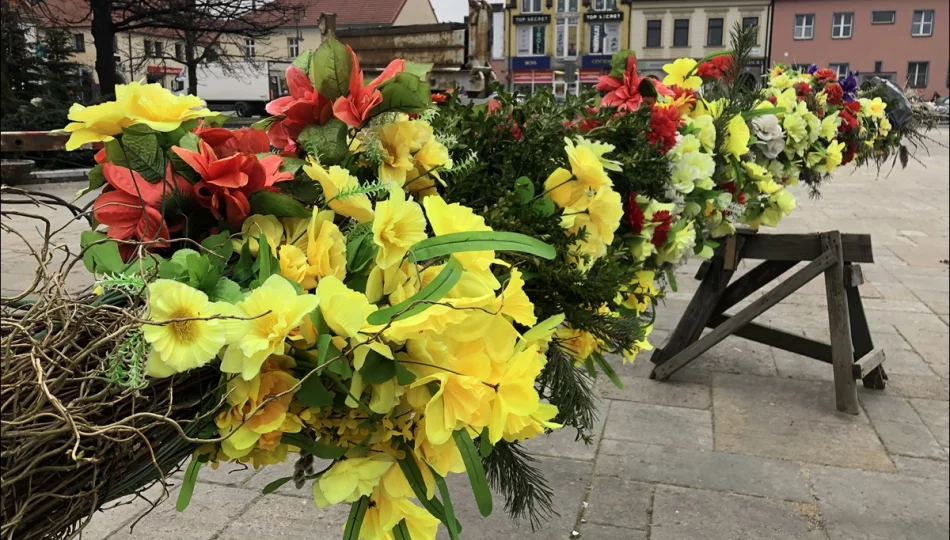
point(905, 41)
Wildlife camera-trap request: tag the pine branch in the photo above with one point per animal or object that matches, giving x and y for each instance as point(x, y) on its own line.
point(512, 471)
point(571, 391)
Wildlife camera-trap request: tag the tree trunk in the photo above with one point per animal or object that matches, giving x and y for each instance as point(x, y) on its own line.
point(191, 62)
point(103, 36)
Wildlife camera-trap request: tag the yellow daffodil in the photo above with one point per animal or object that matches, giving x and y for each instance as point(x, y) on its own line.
point(796, 128)
point(323, 252)
point(736, 141)
point(344, 309)
point(606, 211)
point(514, 391)
point(460, 401)
point(883, 127)
point(682, 73)
point(707, 131)
point(95, 123)
point(426, 164)
point(254, 227)
point(157, 107)
point(586, 166)
point(444, 457)
point(514, 303)
point(274, 310)
point(829, 126)
point(712, 109)
point(578, 343)
point(336, 180)
point(397, 141)
point(398, 225)
point(600, 149)
point(181, 345)
point(832, 158)
point(629, 355)
point(873, 107)
point(349, 479)
point(781, 81)
point(454, 218)
point(563, 189)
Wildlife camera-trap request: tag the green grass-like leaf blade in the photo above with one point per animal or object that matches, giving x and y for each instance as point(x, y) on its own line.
point(419, 302)
point(188, 485)
point(476, 472)
point(447, 244)
point(355, 521)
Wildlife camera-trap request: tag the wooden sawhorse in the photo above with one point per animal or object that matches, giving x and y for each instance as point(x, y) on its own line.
point(833, 254)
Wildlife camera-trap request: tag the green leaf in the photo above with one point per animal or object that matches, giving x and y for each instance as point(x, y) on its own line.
point(310, 446)
point(96, 181)
point(189, 141)
point(608, 370)
point(437, 246)
point(302, 189)
point(524, 189)
point(404, 377)
point(319, 322)
point(303, 60)
point(484, 443)
point(618, 63)
point(264, 123)
point(313, 393)
point(201, 274)
point(227, 291)
point(748, 115)
point(355, 521)
point(450, 521)
point(268, 265)
point(330, 68)
point(327, 141)
point(544, 206)
point(276, 484)
point(360, 251)
point(102, 258)
point(377, 369)
point(671, 278)
point(277, 204)
point(476, 472)
point(417, 482)
point(244, 268)
point(220, 244)
point(145, 155)
point(114, 153)
point(647, 88)
point(188, 485)
point(291, 164)
point(401, 531)
point(403, 93)
point(172, 270)
point(418, 69)
point(419, 302)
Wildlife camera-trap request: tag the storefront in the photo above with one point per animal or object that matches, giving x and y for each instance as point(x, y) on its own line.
point(530, 72)
point(167, 76)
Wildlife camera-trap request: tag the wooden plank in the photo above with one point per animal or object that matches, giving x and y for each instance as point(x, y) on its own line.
point(861, 338)
point(698, 311)
point(731, 260)
point(853, 275)
point(804, 247)
point(703, 268)
point(745, 316)
point(752, 281)
point(869, 363)
point(842, 351)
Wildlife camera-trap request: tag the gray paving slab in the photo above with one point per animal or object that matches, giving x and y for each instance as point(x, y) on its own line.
point(719, 471)
point(658, 424)
point(922, 467)
point(935, 415)
point(692, 514)
point(592, 531)
point(673, 393)
point(632, 510)
point(289, 518)
point(564, 442)
point(881, 407)
point(908, 440)
point(861, 505)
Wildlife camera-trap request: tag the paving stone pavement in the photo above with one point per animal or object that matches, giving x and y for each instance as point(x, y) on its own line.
point(744, 443)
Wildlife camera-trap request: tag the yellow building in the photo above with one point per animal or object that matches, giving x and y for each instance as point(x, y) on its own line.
point(661, 31)
point(563, 44)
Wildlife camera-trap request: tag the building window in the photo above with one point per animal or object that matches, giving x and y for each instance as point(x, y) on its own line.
point(917, 74)
point(566, 37)
point(79, 43)
point(654, 31)
point(923, 24)
point(159, 49)
point(878, 66)
point(179, 52)
point(840, 69)
point(681, 33)
point(177, 85)
point(805, 26)
point(567, 6)
point(249, 48)
point(605, 5)
point(147, 46)
point(604, 38)
point(293, 47)
point(531, 40)
point(531, 6)
point(842, 25)
point(714, 32)
point(883, 17)
point(752, 21)
point(498, 34)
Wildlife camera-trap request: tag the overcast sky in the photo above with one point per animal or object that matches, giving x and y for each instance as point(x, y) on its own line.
point(453, 10)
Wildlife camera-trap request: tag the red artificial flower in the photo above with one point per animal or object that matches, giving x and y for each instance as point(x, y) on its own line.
point(835, 93)
point(228, 182)
point(772, 99)
point(355, 107)
point(825, 74)
point(723, 62)
point(131, 209)
point(304, 106)
point(708, 71)
point(226, 142)
point(849, 152)
point(634, 214)
point(493, 106)
point(100, 156)
point(664, 122)
point(662, 231)
point(439, 98)
point(584, 124)
point(622, 93)
point(803, 88)
point(853, 106)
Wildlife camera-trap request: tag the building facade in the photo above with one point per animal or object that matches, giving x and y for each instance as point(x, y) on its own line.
point(663, 30)
point(563, 44)
point(905, 42)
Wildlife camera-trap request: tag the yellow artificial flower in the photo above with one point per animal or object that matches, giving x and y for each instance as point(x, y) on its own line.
point(776, 71)
point(832, 157)
point(255, 226)
point(157, 107)
point(427, 162)
point(514, 391)
point(796, 128)
point(349, 479)
point(781, 81)
point(586, 165)
point(274, 310)
point(397, 140)
point(454, 218)
point(444, 457)
point(244, 397)
point(336, 180)
point(629, 355)
point(707, 131)
point(398, 225)
point(323, 252)
point(682, 73)
point(563, 189)
point(461, 401)
point(344, 309)
point(712, 109)
point(829, 126)
point(884, 127)
point(600, 149)
point(182, 345)
point(578, 343)
point(95, 123)
point(514, 303)
point(736, 141)
point(606, 211)
point(677, 244)
point(873, 107)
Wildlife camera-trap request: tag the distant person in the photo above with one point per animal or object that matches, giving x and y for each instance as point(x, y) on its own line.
point(936, 97)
